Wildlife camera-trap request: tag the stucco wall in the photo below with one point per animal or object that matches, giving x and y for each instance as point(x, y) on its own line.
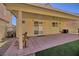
point(28, 26)
point(2, 29)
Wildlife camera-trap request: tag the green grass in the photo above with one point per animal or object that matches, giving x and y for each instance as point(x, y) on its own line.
point(68, 49)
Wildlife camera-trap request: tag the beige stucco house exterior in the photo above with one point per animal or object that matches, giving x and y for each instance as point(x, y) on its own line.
point(42, 19)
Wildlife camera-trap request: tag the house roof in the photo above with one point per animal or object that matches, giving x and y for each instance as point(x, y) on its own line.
point(49, 10)
point(48, 6)
point(44, 5)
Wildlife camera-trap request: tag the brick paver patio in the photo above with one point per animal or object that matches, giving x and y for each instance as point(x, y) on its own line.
point(36, 44)
point(4, 48)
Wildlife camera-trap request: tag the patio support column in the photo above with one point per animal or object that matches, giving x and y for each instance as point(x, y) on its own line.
point(19, 29)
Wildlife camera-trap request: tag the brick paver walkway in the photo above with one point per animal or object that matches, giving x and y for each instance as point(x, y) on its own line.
point(36, 44)
point(4, 48)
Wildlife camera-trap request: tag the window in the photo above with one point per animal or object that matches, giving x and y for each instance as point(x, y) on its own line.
point(36, 23)
point(40, 22)
point(40, 32)
point(54, 24)
point(38, 28)
point(36, 32)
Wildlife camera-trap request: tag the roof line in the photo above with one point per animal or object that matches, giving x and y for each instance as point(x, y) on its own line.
point(58, 10)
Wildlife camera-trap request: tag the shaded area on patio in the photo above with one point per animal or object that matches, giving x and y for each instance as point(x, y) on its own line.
point(36, 44)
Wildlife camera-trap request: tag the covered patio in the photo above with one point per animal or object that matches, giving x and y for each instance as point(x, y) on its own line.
point(35, 44)
point(40, 43)
point(21, 12)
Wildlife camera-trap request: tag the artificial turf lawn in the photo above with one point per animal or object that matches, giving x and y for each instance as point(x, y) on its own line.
point(68, 49)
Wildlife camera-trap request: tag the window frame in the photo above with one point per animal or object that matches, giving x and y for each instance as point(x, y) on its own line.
point(54, 24)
